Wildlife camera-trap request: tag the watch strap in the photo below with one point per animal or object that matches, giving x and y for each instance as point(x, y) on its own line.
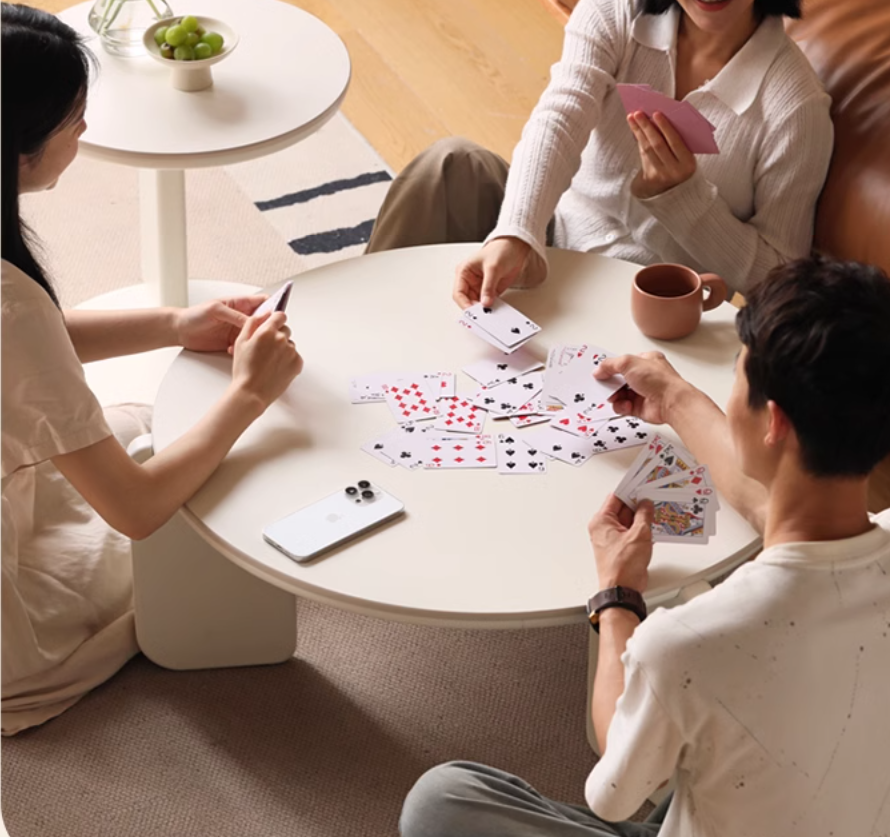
point(624, 597)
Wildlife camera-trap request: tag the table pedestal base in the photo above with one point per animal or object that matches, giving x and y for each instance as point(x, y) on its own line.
point(195, 609)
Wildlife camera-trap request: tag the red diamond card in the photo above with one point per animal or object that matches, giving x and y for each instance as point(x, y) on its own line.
point(460, 415)
point(471, 452)
point(410, 399)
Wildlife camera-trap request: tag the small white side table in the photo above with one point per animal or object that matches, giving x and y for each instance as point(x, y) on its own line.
point(286, 78)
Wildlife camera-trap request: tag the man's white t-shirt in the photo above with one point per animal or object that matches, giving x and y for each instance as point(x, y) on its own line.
point(769, 695)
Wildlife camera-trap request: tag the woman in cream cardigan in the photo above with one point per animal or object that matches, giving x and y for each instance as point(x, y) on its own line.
point(586, 176)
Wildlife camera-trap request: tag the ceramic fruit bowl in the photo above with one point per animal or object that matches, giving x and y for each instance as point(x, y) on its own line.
point(193, 74)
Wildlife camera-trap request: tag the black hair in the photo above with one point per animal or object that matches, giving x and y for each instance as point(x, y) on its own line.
point(817, 334)
point(762, 8)
point(45, 75)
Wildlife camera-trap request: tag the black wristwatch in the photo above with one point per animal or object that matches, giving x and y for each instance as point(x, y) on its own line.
point(623, 597)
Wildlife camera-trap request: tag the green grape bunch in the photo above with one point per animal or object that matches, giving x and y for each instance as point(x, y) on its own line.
point(186, 40)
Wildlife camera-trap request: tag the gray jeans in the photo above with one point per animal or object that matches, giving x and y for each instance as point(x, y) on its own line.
point(463, 799)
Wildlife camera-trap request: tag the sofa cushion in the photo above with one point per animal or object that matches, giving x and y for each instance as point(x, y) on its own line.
point(848, 44)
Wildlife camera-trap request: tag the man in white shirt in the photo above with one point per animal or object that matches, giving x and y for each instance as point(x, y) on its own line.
point(767, 696)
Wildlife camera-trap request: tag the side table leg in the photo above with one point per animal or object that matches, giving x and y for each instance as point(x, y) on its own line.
point(195, 609)
point(164, 233)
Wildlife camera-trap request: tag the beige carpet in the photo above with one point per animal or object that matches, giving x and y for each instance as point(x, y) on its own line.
point(325, 746)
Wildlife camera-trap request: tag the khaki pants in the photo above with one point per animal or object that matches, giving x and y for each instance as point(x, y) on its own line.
point(450, 192)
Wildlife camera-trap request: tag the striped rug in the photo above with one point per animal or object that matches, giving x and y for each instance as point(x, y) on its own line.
point(321, 195)
point(257, 223)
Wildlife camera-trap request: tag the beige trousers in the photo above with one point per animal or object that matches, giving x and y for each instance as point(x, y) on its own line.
point(450, 192)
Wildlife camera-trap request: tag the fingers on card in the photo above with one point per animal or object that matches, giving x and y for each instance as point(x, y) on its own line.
point(499, 324)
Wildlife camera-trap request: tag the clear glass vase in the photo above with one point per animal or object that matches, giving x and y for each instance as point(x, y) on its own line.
point(120, 24)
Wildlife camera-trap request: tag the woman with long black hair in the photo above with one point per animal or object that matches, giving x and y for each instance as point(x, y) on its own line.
point(71, 497)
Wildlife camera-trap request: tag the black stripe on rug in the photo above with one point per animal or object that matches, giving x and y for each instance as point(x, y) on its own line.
point(325, 189)
point(332, 240)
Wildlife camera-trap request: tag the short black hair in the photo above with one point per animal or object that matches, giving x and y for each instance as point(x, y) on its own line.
point(817, 333)
point(762, 8)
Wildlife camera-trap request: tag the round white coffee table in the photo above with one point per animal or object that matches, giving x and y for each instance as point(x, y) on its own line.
point(476, 549)
point(284, 80)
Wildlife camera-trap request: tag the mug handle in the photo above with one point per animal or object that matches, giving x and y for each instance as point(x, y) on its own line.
point(717, 291)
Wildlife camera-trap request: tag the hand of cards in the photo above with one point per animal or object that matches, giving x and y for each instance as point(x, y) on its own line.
point(693, 128)
point(680, 489)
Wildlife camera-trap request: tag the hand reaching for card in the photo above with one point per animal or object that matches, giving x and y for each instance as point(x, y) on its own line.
point(622, 544)
point(490, 271)
point(652, 385)
point(665, 159)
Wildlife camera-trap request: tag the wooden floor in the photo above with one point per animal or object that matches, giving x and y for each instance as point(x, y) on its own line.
point(426, 69)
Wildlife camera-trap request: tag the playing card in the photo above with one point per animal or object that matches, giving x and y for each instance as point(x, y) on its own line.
point(476, 329)
point(470, 452)
point(502, 321)
point(365, 389)
point(529, 414)
point(442, 384)
point(517, 457)
point(693, 478)
point(668, 460)
point(656, 443)
point(696, 131)
point(276, 302)
point(679, 517)
point(410, 399)
point(495, 370)
point(459, 414)
point(558, 445)
point(576, 386)
point(583, 424)
point(621, 433)
point(510, 397)
point(399, 446)
point(529, 419)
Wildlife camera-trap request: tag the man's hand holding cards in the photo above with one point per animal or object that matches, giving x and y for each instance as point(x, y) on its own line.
point(682, 492)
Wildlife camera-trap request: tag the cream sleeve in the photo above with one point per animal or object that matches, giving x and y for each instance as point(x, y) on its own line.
point(549, 152)
point(47, 407)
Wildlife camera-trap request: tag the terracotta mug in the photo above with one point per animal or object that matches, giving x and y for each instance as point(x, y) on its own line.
point(667, 300)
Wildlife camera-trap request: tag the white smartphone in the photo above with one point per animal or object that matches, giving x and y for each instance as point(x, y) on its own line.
point(343, 515)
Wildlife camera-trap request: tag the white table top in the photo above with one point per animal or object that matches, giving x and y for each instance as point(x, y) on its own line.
point(476, 548)
point(284, 80)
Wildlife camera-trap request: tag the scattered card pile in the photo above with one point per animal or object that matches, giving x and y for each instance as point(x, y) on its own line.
point(438, 429)
point(696, 131)
point(682, 491)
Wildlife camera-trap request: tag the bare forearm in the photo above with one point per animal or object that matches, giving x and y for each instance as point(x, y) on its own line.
point(98, 335)
point(177, 472)
point(139, 499)
point(703, 428)
point(616, 627)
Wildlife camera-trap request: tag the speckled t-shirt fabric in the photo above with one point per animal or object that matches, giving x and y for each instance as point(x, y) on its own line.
point(769, 695)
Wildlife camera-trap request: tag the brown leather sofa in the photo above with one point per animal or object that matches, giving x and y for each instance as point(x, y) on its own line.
point(848, 44)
